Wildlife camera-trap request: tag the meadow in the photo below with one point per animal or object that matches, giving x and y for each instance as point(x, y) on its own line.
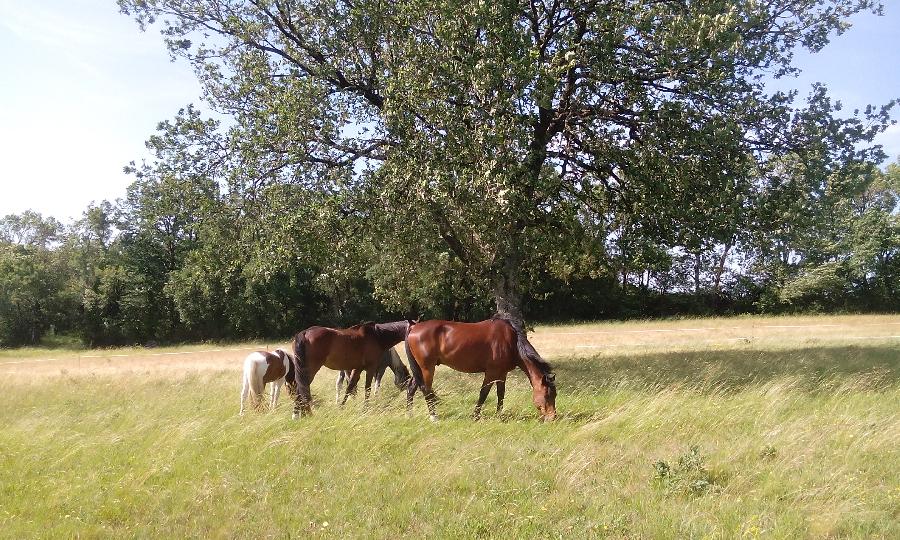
point(705, 428)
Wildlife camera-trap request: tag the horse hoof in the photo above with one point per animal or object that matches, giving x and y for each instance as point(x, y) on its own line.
point(295, 416)
point(433, 418)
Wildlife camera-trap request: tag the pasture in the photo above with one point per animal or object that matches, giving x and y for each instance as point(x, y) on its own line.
point(717, 428)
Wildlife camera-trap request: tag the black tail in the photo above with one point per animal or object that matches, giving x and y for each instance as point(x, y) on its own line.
point(290, 378)
point(301, 375)
point(300, 349)
point(417, 377)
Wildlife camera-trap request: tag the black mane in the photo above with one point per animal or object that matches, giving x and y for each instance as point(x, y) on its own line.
point(526, 349)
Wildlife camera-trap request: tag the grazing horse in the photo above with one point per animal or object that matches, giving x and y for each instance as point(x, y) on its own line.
point(390, 360)
point(262, 367)
point(354, 349)
point(493, 347)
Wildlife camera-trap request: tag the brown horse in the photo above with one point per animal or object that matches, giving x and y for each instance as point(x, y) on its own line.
point(354, 349)
point(493, 347)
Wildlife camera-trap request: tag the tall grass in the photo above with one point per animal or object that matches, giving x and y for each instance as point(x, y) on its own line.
point(773, 442)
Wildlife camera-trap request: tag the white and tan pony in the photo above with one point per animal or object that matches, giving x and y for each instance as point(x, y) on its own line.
point(260, 368)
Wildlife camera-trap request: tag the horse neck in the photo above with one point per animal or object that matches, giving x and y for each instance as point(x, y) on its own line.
point(390, 334)
point(534, 373)
point(397, 366)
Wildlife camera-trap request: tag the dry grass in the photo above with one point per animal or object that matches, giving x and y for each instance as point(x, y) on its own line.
point(797, 429)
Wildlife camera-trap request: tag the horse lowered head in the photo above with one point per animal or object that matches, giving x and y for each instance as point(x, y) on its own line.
point(544, 396)
point(401, 373)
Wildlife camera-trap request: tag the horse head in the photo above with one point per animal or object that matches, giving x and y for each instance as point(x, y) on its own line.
point(401, 373)
point(544, 396)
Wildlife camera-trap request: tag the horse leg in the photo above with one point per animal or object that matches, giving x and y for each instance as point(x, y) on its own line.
point(430, 398)
point(501, 391)
point(303, 400)
point(245, 392)
point(411, 388)
point(368, 385)
point(485, 390)
point(379, 373)
point(256, 392)
point(337, 387)
point(276, 389)
point(351, 385)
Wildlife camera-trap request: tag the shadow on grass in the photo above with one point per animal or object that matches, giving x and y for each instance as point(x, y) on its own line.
point(815, 367)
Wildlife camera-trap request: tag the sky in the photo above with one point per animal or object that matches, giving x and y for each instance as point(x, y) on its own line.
point(81, 89)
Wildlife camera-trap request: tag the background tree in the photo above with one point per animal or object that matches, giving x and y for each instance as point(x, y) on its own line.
point(34, 296)
point(486, 126)
point(451, 159)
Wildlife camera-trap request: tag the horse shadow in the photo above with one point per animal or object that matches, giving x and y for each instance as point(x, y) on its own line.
point(870, 366)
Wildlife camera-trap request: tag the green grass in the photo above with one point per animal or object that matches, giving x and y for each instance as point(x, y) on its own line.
point(791, 441)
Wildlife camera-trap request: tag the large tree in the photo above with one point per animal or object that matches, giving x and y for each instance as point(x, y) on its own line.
point(498, 134)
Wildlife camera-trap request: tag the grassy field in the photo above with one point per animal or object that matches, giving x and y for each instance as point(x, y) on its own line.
point(714, 428)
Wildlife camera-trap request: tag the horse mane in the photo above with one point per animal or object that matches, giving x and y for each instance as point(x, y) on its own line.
point(385, 332)
point(526, 349)
point(360, 325)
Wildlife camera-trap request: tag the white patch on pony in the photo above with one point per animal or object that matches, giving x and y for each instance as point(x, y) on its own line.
point(338, 386)
point(254, 370)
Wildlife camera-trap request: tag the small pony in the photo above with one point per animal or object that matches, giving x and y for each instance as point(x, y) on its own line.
point(390, 360)
point(261, 367)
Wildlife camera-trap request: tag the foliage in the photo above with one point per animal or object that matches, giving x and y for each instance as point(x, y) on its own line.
point(35, 296)
point(493, 139)
point(548, 160)
point(688, 476)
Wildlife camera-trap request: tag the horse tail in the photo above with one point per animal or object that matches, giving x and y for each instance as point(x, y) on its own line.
point(417, 376)
point(290, 377)
point(252, 381)
point(301, 375)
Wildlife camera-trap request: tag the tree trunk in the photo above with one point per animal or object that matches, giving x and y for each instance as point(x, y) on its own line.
point(697, 261)
point(508, 291)
point(720, 268)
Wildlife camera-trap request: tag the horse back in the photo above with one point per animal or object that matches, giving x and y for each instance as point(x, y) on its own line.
point(269, 366)
point(469, 347)
point(347, 348)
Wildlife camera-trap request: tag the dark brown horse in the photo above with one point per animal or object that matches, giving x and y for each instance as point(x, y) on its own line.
point(355, 349)
point(493, 347)
point(390, 360)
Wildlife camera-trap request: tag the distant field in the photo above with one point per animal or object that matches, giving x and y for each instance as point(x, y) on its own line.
point(722, 428)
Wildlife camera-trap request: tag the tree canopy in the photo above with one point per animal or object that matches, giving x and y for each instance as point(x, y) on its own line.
point(500, 133)
point(544, 159)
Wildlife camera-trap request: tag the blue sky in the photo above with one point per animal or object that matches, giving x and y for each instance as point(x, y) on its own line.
point(81, 89)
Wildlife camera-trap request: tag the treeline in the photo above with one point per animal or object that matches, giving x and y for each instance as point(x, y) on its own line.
point(191, 259)
point(544, 160)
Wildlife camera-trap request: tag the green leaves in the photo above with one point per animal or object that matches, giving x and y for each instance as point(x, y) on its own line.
point(494, 141)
